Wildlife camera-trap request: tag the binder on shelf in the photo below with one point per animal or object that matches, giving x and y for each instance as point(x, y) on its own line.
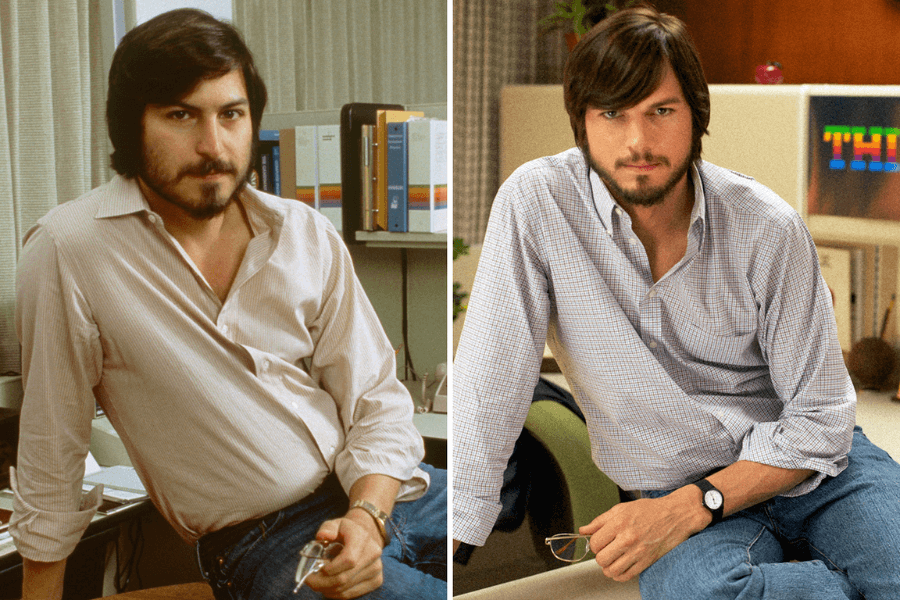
point(305, 158)
point(367, 177)
point(427, 143)
point(287, 140)
point(267, 162)
point(384, 117)
point(328, 185)
point(353, 117)
point(397, 173)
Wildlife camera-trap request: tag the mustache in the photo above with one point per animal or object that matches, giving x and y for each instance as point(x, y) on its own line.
point(647, 157)
point(209, 167)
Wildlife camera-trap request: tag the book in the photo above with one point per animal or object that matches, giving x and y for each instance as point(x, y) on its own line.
point(367, 177)
point(353, 116)
point(382, 119)
point(288, 163)
point(397, 174)
point(328, 169)
point(265, 160)
point(427, 142)
point(305, 159)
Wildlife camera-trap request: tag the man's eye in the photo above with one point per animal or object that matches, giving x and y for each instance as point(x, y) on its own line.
point(662, 111)
point(610, 114)
point(232, 114)
point(178, 115)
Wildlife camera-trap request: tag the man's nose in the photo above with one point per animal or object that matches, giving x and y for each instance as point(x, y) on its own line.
point(209, 139)
point(638, 137)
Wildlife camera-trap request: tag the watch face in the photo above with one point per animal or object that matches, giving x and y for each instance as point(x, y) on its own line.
point(712, 499)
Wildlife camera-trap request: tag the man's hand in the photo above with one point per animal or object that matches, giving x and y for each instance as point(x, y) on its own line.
point(631, 536)
point(357, 569)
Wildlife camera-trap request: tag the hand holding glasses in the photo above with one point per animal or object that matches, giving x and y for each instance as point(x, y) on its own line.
point(313, 557)
point(570, 547)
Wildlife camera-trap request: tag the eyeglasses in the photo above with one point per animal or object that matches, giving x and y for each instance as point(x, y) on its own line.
point(570, 547)
point(313, 557)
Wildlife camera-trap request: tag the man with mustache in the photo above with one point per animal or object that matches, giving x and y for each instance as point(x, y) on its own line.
point(685, 307)
point(224, 333)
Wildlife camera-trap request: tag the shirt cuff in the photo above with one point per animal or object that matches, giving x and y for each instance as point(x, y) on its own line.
point(46, 536)
point(473, 519)
point(771, 444)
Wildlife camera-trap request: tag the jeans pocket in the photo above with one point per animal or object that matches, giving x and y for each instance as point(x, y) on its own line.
point(227, 560)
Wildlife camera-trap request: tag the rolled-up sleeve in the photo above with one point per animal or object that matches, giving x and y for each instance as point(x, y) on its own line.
point(798, 337)
point(61, 364)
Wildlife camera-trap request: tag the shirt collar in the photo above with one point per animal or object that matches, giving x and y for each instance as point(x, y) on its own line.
point(125, 198)
point(605, 204)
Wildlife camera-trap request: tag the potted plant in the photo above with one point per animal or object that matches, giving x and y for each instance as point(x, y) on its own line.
point(577, 17)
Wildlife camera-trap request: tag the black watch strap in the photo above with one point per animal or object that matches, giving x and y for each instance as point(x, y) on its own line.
point(712, 500)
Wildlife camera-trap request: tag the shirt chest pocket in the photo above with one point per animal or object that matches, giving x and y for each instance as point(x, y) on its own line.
point(721, 332)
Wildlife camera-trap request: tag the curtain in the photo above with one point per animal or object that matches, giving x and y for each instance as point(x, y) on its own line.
point(53, 144)
point(495, 43)
point(317, 55)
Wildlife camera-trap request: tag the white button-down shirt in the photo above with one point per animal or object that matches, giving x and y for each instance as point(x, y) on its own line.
point(229, 410)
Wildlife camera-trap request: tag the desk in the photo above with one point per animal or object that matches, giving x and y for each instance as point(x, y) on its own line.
point(86, 566)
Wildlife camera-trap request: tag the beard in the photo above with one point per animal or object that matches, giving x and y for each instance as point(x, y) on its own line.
point(212, 198)
point(644, 194)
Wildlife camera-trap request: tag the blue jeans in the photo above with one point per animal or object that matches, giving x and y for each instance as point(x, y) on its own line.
point(844, 535)
point(262, 565)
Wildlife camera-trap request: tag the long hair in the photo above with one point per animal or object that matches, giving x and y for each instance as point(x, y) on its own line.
point(623, 59)
point(161, 61)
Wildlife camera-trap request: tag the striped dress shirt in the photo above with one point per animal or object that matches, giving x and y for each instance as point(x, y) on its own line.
point(229, 410)
point(731, 355)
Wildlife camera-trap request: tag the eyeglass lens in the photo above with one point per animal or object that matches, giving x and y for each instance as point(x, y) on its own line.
point(569, 549)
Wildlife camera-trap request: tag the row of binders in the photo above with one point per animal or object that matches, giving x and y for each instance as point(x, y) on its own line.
point(403, 171)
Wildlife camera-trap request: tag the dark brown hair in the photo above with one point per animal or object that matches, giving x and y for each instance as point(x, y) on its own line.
point(160, 62)
point(622, 60)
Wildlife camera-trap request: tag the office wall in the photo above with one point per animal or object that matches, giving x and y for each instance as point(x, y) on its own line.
point(816, 41)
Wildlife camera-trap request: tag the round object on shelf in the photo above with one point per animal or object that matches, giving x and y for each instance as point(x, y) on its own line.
point(871, 362)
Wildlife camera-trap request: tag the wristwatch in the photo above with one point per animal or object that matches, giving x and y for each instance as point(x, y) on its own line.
point(713, 501)
point(380, 517)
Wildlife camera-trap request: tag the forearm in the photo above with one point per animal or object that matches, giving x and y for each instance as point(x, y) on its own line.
point(41, 580)
point(745, 484)
point(379, 490)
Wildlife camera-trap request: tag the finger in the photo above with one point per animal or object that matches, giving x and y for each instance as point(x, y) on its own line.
point(329, 531)
point(366, 578)
point(623, 569)
point(602, 538)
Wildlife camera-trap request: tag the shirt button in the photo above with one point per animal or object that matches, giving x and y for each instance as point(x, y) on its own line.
point(224, 328)
point(652, 344)
point(652, 294)
point(266, 364)
point(294, 405)
point(632, 240)
point(618, 211)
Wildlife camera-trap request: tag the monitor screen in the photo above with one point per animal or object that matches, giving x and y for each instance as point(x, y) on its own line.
point(853, 168)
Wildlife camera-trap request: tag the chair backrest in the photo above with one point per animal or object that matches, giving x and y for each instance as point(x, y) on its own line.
point(566, 439)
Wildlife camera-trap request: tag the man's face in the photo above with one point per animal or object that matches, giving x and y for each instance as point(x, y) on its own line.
point(196, 152)
point(642, 152)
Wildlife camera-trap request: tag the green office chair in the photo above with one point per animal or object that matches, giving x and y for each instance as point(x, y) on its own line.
point(573, 490)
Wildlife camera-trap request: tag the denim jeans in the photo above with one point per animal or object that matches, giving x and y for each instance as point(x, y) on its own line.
point(262, 565)
point(844, 537)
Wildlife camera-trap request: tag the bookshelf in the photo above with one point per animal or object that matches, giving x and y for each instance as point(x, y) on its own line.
point(385, 260)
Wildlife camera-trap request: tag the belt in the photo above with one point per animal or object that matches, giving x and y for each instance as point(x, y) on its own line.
point(231, 535)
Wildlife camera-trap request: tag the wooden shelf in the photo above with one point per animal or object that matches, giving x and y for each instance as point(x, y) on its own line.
point(393, 239)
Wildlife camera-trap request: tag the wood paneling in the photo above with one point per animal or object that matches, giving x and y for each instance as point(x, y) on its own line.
point(816, 41)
